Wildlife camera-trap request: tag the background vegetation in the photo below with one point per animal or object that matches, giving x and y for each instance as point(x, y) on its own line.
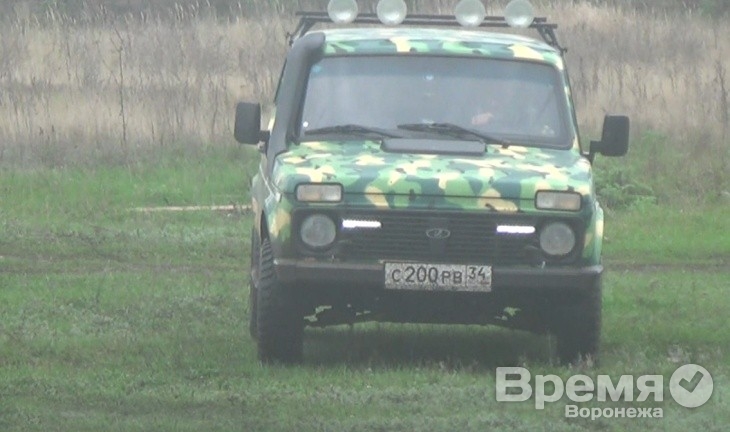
point(118, 82)
point(80, 7)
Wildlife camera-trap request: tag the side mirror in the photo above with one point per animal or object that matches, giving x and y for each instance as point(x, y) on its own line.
point(247, 128)
point(614, 139)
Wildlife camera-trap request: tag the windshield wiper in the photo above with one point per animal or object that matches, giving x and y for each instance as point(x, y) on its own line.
point(353, 129)
point(452, 130)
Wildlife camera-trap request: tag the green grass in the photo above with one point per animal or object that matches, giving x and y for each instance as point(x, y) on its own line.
point(119, 320)
point(646, 235)
point(65, 195)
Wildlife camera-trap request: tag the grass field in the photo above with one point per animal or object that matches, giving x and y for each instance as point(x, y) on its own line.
point(119, 320)
point(112, 319)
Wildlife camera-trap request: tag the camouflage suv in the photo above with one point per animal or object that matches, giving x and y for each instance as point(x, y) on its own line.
point(425, 175)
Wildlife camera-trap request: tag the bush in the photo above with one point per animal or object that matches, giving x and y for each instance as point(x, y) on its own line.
point(619, 187)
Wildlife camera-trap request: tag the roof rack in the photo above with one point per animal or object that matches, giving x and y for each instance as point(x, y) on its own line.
point(307, 20)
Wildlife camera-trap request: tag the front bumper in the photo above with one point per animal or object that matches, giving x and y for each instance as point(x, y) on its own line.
point(503, 278)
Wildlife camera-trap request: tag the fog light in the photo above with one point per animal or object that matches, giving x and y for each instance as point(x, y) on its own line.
point(351, 224)
point(516, 229)
point(318, 231)
point(557, 239)
point(519, 14)
point(342, 11)
point(470, 13)
point(391, 12)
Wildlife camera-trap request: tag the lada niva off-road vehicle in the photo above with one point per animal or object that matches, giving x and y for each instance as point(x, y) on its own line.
point(419, 173)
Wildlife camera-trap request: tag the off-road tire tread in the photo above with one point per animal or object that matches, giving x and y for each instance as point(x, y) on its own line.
point(577, 325)
point(280, 323)
point(254, 271)
point(252, 318)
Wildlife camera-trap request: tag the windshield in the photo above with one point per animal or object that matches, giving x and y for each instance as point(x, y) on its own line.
point(515, 101)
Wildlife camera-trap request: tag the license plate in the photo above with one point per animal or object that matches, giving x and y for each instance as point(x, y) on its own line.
point(438, 277)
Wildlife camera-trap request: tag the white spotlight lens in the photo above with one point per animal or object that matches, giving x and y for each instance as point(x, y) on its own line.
point(470, 13)
point(519, 14)
point(342, 11)
point(391, 12)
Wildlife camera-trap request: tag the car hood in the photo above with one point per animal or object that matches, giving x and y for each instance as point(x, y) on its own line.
point(362, 167)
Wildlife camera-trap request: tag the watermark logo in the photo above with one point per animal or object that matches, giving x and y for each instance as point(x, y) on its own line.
point(690, 386)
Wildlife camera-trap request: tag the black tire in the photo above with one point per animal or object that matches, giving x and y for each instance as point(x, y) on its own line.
point(279, 318)
point(255, 258)
point(577, 324)
point(252, 316)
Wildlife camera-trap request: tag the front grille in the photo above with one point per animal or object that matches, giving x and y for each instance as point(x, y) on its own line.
point(472, 238)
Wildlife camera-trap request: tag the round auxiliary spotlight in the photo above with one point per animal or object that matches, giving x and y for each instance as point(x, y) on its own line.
point(470, 13)
point(342, 11)
point(391, 12)
point(519, 14)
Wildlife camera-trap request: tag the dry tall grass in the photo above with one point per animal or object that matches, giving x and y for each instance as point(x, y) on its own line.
point(73, 92)
point(109, 89)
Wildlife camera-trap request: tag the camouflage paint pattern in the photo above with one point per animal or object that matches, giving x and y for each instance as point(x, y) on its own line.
point(439, 42)
point(513, 173)
point(503, 180)
point(594, 237)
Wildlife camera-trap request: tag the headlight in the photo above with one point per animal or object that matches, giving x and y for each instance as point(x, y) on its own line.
point(548, 200)
point(557, 239)
point(318, 231)
point(317, 192)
